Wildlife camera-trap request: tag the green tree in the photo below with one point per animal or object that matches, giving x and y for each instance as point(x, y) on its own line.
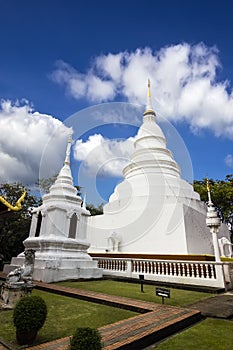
point(14, 226)
point(46, 183)
point(221, 195)
point(95, 210)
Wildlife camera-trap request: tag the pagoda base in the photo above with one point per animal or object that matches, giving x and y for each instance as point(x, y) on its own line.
point(52, 269)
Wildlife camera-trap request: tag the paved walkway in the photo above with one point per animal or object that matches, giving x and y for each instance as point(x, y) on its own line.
point(2, 347)
point(220, 306)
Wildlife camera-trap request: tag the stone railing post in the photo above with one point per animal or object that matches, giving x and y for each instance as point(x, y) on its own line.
point(129, 268)
point(220, 275)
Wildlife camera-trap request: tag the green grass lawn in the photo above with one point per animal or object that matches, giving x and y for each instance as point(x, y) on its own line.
point(210, 334)
point(64, 316)
point(179, 297)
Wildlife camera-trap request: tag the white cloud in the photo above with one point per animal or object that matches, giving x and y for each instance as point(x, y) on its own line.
point(184, 84)
point(229, 160)
point(32, 144)
point(79, 85)
point(103, 156)
point(98, 89)
point(110, 65)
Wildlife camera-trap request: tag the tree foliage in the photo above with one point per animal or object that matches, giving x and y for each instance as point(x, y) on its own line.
point(30, 313)
point(221, 195)
point(95, 210)
point(14, 226)
point(46, 183)
point(86, 339)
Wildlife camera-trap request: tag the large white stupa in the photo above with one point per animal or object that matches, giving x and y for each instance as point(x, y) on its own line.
point(153, 210)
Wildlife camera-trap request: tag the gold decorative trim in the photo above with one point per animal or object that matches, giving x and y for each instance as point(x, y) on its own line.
point(17, 205)
point(149, 111)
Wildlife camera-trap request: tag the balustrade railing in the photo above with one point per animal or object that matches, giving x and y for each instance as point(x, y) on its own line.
point(112, 264)
point(206, 273)
point(171, 268)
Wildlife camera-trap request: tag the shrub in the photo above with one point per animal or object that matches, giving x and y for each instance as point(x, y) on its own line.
point(29, 314)
point(86, 339)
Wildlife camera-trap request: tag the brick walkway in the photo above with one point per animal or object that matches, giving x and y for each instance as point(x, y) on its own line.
point(2, 347)
point(154, 322)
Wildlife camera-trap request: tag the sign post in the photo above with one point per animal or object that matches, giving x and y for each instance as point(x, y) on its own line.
point(162, 292)
point(141, 277)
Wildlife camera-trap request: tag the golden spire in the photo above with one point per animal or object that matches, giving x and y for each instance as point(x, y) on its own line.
point(149, 94)
point(208, 190)
point(149, 109)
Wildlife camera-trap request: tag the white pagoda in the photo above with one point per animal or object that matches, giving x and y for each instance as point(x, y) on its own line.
point(58, 234)
point(153, 210)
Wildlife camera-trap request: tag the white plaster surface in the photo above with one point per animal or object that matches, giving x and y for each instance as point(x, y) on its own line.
point(153, 210)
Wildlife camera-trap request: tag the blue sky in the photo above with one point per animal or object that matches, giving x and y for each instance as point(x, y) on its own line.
point(62, 57)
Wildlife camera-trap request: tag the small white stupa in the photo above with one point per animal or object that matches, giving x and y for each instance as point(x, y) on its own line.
point(153, 210)
point(58, 233)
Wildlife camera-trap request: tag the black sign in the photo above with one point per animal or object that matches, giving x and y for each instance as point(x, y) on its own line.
point(141, 278)
point(162, 292)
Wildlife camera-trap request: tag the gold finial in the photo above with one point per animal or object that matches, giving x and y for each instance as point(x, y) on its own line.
point(207, 184)
point(208, 190)
point(149, 95)
point(149, 109)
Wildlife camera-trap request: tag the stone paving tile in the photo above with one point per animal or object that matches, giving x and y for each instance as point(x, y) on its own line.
point(220, 306)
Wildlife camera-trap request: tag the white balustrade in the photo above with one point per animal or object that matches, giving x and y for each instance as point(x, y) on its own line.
point(187, 272)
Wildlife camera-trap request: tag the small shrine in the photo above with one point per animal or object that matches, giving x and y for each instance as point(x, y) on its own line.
point(58, 233)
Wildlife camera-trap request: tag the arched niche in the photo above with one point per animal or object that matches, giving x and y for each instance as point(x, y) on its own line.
point(73, 226)
point(38, 225)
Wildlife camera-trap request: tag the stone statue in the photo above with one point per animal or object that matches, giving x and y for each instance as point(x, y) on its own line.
point(18, 282)
point(222, 243)
point(114, 240)
point(23, 274)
